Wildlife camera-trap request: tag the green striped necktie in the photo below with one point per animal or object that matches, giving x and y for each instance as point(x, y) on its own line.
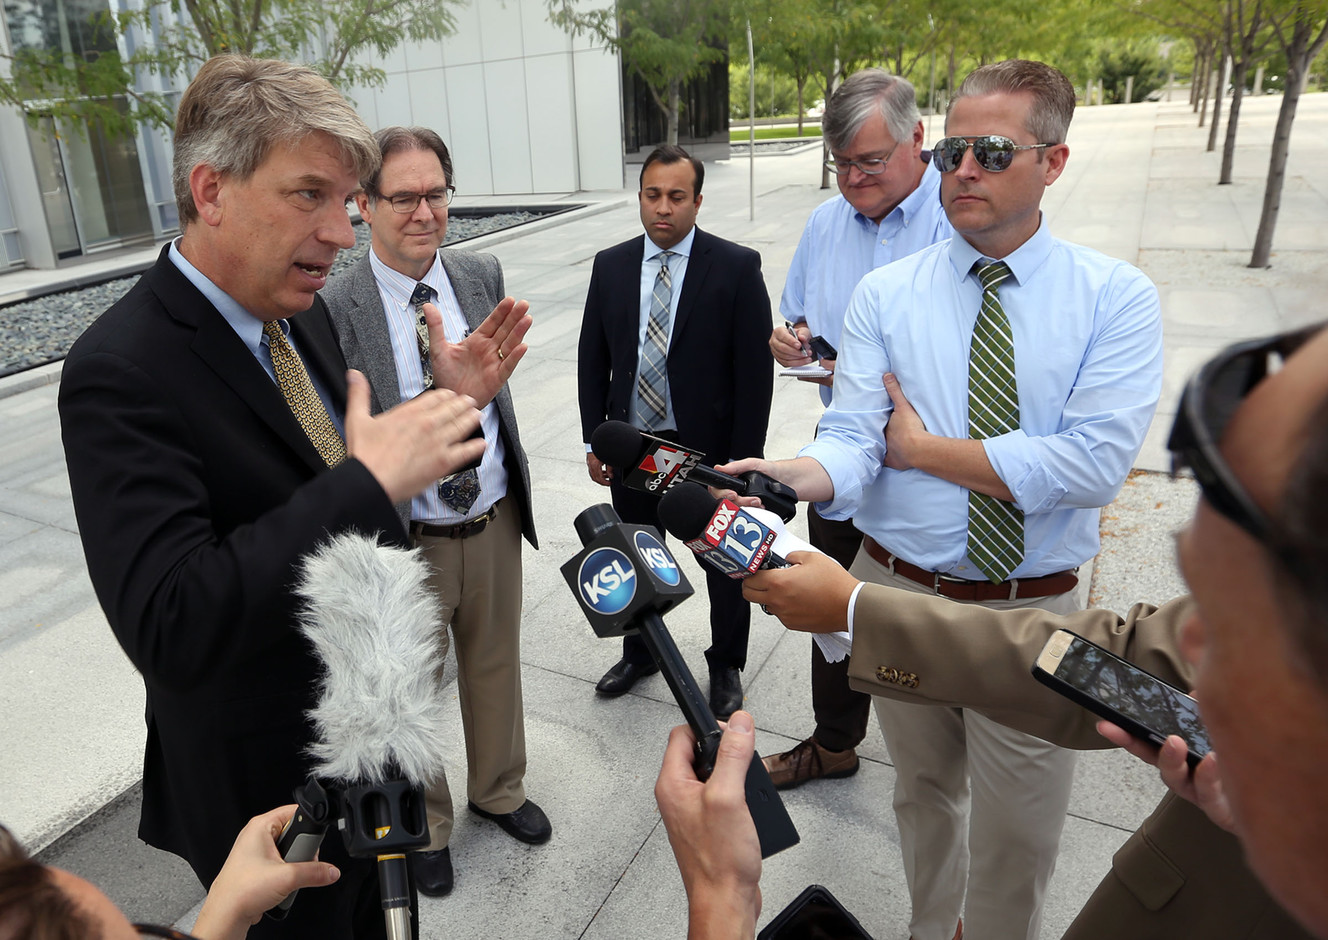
point(995, 526)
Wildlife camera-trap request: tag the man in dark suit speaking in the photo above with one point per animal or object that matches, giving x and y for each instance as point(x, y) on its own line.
point(674, 342)
point(212, 440)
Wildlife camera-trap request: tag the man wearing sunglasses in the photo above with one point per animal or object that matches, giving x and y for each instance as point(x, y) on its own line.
point(888, 207)
point(1034, 367)
point(412, 316)
point(1252, 642)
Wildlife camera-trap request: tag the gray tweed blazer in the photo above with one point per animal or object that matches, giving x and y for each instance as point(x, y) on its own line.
point(357, 314)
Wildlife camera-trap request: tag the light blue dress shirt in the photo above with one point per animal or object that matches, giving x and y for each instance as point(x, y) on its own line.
point(650, 265)
point(839, 245)
point(394, 290)
point(250, 330)
point(1088, 363)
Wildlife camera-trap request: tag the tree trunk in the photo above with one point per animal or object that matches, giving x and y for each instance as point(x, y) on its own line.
point(1203, 107)
point(1272, 191)
point(673, 110)
point(1300, 52)
point(1218, 95)
point(1233, 118)
point(1199, 85)
point(802, 83)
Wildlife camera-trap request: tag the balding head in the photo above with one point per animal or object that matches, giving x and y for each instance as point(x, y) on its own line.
point(1262, 688)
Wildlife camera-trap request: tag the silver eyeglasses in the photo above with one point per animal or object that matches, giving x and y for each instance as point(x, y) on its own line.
point(872, 167)
point(408, 202)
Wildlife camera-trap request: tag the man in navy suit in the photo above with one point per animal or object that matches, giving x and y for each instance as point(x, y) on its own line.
point(674, 342)
point(213, 441)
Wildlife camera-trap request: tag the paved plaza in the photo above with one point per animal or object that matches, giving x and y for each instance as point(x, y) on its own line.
point(1138, 186)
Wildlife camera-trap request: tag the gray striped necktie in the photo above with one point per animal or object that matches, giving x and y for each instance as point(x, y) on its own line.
point(995, 526)
point(652, 383)
point(460, 490)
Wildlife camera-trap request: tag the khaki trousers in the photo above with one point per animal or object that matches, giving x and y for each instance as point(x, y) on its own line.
point(980, 807)
point(478, 583)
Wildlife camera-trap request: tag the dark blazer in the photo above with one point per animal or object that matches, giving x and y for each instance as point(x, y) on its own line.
point(356, 309)
point(1179, 875)
point(720, 372)
point(196, 493)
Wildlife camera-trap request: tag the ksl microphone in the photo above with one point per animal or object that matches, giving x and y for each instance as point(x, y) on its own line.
point(654, 465)
point(719, 532)
point(624, 579)
point(374, 626)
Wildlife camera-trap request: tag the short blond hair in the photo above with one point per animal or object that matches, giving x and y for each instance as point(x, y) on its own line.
point(237, 109)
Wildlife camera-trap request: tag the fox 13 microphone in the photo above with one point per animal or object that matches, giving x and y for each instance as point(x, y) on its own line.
point(375, 628)
point(653, 465)
point(625, 579)
point(719, 532)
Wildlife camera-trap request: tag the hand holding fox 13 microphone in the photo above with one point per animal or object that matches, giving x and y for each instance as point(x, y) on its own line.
point(374, 626)
point(624, 579)
point(654, 465)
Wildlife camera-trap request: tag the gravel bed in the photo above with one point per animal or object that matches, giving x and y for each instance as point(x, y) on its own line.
point(41, 330)
point(738, 148)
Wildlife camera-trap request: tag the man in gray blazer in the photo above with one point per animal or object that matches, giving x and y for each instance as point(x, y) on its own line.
point(412, 317)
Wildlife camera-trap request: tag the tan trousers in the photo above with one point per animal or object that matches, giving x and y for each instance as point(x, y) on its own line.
point(980, 807)
point(478, 582)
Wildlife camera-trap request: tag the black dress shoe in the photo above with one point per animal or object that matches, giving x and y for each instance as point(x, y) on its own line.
point(623, 676)
point(725, 691)
point(527, 822)
point(433, 872)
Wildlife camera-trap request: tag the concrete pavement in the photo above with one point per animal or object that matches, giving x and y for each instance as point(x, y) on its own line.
point(1138, 185)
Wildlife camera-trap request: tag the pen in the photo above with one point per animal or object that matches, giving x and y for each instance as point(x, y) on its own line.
point(794, 333)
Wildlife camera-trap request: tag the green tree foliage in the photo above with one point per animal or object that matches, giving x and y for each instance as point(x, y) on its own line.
point(776, 92)
point(74, 69)
point(665, 42)
point(1135, 60)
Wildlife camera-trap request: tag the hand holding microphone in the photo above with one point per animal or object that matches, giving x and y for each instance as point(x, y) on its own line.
point(654, 465)
point(624, 579)
point(375, 627)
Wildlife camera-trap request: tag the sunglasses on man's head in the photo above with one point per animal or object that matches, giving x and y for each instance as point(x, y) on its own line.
point(993, 152)
point(1210, 398)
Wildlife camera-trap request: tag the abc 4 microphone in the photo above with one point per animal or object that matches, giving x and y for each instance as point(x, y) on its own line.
point(624, 579)
point(654, 465)
point(719, 532)
point(375, 627)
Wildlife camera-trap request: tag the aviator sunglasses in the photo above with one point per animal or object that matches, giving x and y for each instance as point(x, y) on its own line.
point(993, 152)
point(1210, 398)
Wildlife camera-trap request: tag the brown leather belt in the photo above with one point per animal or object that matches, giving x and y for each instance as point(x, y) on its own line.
point(462, 530)
point(962, 589)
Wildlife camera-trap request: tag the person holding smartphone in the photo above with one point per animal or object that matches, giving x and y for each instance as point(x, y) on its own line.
point(1250, 641)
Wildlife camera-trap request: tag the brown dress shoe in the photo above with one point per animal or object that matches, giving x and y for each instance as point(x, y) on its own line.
point(808, 761)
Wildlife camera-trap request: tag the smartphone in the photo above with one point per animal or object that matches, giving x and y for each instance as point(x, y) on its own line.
point(1120, 692)
point(816, 914)
point(822, 348)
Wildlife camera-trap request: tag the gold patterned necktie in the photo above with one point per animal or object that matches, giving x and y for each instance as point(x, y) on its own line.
point(652, 387)
point(995, 526)
point(294, 382)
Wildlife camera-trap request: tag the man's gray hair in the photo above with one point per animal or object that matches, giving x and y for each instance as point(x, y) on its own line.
point(1053, 95)
point(864, 93)
point(237, 109)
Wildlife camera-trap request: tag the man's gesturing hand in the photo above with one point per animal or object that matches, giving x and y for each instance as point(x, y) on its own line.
point(481, 363)
point(414, 444)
